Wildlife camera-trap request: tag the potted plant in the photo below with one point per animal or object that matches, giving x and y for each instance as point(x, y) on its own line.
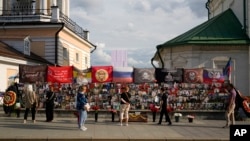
point(177, 116)
point(190, 118)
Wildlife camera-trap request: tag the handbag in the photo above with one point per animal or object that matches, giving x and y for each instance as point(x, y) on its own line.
point(87, 107)
point(17, 105)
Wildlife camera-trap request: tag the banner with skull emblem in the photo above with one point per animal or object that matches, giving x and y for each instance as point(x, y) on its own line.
point(144, 75)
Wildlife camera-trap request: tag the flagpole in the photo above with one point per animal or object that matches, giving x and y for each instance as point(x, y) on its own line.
point(230, 72)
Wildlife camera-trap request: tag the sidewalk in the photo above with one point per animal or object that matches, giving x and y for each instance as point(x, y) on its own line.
point(65, 129)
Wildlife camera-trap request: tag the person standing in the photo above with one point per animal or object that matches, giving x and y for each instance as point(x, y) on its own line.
point(31, 102)
point(50, 98)
point(163, 105)
point(18, 101)
point(229, 114)
point(125, 105)
point(81, 101)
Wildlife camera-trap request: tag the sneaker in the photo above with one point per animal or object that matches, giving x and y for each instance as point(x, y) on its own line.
point(120, 124)
point(34, 121)
point(83, 128)
point(24, 121)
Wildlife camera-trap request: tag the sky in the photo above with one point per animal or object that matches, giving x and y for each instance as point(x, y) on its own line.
point(135, 26)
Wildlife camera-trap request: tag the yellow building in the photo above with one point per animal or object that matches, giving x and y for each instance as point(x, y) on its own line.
point(40, 32)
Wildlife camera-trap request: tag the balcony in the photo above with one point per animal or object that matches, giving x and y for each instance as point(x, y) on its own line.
point(40, 15)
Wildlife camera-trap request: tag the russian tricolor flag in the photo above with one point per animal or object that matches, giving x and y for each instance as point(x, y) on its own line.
point(123, 74)
point(227, 69)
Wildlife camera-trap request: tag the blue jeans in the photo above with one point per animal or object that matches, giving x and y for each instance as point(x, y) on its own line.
point(82, 117)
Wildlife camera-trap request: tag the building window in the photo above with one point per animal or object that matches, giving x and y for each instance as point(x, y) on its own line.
point(65, 53)
point(86, 61)
point(219, 64)
point(77, 57)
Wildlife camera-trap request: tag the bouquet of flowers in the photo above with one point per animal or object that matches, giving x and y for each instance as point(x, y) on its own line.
point(111, 109)
point(177, 114)
point(95, 108)
point(154, 108)
point(190, 116)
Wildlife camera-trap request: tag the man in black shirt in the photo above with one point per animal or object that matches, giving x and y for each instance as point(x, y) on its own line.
point(163, 104)
point(125, 104)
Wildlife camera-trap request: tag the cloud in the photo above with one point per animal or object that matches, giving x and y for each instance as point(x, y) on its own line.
point(137, 26)
point(101, 57)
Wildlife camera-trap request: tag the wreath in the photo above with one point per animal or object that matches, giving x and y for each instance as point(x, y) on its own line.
point(9, 98)
point(246, 106)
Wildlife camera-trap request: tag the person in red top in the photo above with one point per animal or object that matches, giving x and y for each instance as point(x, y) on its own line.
point(229, 114)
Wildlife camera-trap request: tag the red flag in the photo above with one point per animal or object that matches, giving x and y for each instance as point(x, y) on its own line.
point(62, 74)
point(102, 74)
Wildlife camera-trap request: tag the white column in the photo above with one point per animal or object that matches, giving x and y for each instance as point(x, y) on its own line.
point(1, 7)
point(62, 6)
point(67, 7)
point(54, 2)
point(43, 7)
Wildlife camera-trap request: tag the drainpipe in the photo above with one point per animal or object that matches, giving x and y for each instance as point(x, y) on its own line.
point(208, 10)
point(158, 53)
point(56, 43)
point(152, 60)
point(93, 49)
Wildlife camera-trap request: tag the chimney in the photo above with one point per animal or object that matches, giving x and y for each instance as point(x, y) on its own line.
point(55, 14)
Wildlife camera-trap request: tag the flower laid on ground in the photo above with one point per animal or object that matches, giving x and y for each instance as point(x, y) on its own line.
point(95, 108)
point(190, 116)
point(111, 109)
point(154, 108)
point(177, 114)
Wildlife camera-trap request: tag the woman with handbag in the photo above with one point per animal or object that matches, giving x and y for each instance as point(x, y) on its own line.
point(80, 106)
point(125, 104)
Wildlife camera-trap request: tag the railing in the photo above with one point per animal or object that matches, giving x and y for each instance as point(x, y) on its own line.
point(73, 26)
point(40, 15)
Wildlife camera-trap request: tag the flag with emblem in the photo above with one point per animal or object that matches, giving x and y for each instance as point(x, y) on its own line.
point(101, 74)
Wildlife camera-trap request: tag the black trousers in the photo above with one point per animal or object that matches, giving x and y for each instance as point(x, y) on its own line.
point(164, 112)
point(17, 112)
point(8, 109)
point(33, 113)
point(49, 112)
